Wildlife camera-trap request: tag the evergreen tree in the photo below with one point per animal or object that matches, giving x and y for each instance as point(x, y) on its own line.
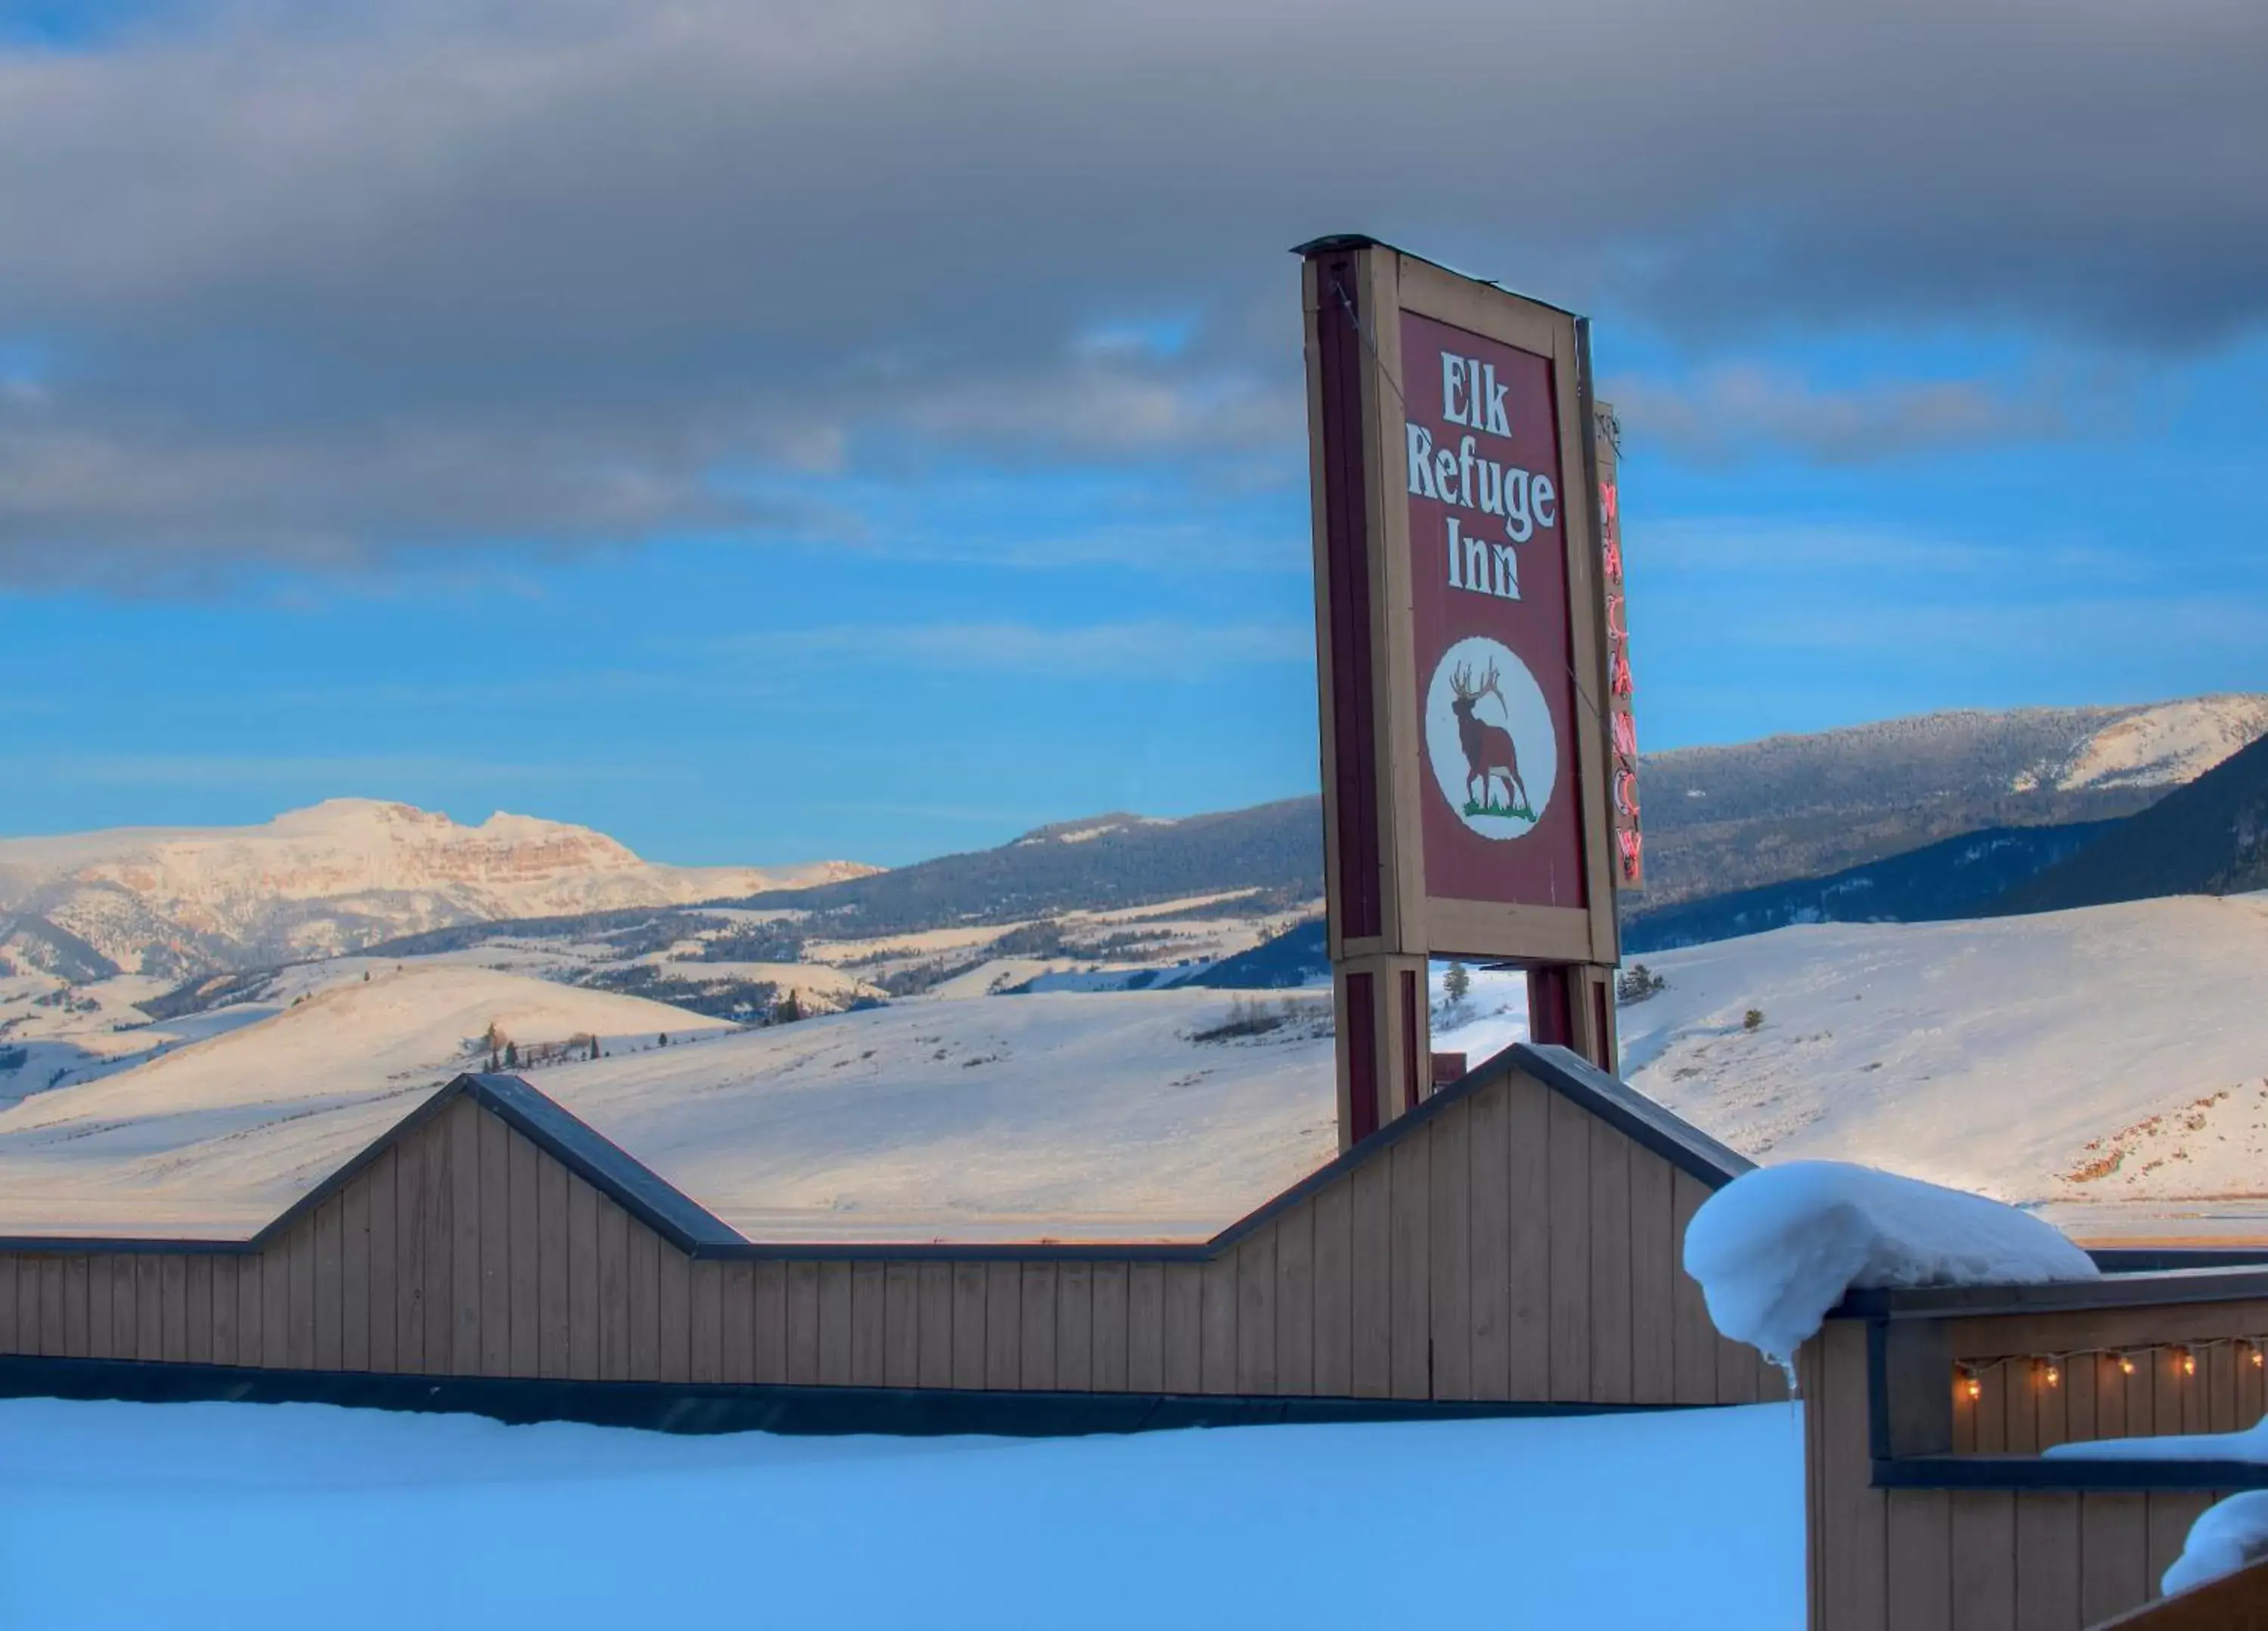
point(1457, 983)
point(662, 1040)
point(594, 1048)
point(494, 1063)
point(511, 1055)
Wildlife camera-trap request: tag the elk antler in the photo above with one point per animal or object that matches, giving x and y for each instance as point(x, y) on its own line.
point(1489, 686)
point(1461, 683)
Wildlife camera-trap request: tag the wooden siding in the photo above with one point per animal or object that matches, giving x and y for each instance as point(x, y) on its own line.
point(1511, 1248)
point(1902, 1559)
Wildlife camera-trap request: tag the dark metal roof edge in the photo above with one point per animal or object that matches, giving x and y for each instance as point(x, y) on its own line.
point(1616, 1103)
point(2069, 1472)
point(123, 1245)
point(2113, 1290)
point(1332, 243)
point(598, 1160)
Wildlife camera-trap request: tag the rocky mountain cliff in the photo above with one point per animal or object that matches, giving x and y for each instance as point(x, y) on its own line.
point(335, 878)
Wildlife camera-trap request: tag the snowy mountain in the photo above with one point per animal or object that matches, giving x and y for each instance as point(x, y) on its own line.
point(1740, 817)
point(319, 882)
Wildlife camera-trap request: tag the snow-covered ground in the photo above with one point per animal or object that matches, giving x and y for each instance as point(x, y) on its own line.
point(2108, 1066)
point(215, 1136)
point(251, 1516)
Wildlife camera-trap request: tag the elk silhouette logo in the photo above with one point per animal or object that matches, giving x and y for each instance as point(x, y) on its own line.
point(1490, 739)
point(1490, 752)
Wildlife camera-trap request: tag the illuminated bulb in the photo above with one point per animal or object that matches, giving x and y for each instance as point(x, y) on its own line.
point(2188, 1362)
point(2051, 1374)
point(2252, 1352)
point(1972, 1386)
point(2125, 1363)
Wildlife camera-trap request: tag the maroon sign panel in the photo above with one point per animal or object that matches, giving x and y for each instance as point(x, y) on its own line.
point(1501, 803)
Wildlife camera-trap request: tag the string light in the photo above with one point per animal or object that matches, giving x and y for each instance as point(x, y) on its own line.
point(2047, 1369)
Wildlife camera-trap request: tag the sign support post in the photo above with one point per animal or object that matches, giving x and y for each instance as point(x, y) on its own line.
point(1462, 632)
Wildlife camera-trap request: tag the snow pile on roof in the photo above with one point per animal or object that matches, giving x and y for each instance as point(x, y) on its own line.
point(2228, 1536)
point(1776, 1248)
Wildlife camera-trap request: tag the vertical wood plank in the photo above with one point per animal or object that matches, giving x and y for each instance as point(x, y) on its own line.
point(1003, 1325)
point(464, 1133)
point(150, 1314)
point(410, 1270)
point(101, 1342)
point(223, 1310)
point(2166, 1520)
point(2047, 1562)
point(673, 1312)
point(1075, 1326)
point(10, 1339)
point(1038, 1290)
point(1370, 1305)
point(1571, 1250)
point(198, 1350)
point(934, 1357)
point(1693, 1335)
point(173, 1279)
point(1489, 1242)
point(495, 1209)
point(1183, 1328)
point(1217, 1324)
point(771, 1320)
point(706, 1286)
point(1653, 1255)
point(1611, 1279)
point(1145, 1328)
point(2114, 1555)
point(524, 1255)
point(582, 1281)
point(869, 1323)
point(249, 1304)
point(1984, 1561)
point(1334, 1348)
point(1530, 1209)
point(644, 1265)
point(803, 1321)
point(77, 1294)
point(55, 1299)
point(555, 1253)
point(1920, 1569)
point(122, 1301)
point(1448, 1235)
point(969, 1284)
point(321, 1281)
point(1112, 1314)
point(835, 1323)
point(1854, 1531)
point(1410, 1270)
point(613, 1306)
point(902, 1331)
point(738, 1358)
point(1295, 1299)
point(381, 1240)
point(354, 1274)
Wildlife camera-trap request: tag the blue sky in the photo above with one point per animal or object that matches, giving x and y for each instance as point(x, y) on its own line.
point(437, 482)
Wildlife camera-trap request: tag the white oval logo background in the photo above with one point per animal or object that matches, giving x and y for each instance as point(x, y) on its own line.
point(1490, 808)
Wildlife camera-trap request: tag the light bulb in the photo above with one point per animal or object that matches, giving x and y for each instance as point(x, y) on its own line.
point(2126, 1364)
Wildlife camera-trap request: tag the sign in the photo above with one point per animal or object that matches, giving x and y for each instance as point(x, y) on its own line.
point(1462, 619)
point(1622, 725)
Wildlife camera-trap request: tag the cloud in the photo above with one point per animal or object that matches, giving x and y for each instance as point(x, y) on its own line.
point(1740, 411)
point(319, 285)
point(1150, 650)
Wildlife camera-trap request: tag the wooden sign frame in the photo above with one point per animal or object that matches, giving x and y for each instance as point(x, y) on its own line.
point(1356, 291)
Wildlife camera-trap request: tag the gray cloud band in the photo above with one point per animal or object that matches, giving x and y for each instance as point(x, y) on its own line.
point(454, 274)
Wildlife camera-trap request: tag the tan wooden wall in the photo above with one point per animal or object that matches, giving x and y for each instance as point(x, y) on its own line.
point(1511, 1248)
point(1901, 1560)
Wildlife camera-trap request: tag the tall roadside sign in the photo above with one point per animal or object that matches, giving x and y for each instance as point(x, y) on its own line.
point(1463, 639)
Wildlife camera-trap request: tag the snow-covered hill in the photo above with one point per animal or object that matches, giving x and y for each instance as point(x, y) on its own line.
point(210, 1135)
point(344, 874)
point(2109, 1065)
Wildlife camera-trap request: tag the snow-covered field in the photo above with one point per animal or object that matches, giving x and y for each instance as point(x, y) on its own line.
point(250, 1516)
point(2108, 1066)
